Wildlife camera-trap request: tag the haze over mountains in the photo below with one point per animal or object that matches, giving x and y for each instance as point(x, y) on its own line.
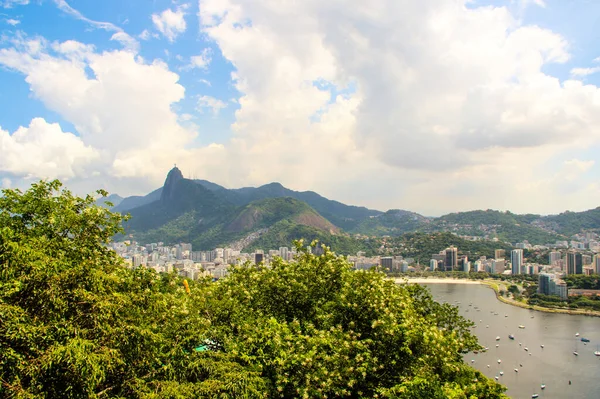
point(209, 215)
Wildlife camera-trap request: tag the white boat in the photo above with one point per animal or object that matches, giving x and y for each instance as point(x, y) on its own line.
point(516, 370)
point(535, 395)
point(521, 326)
point(575, 353)
point(497, 345)
point(502, 373)
point(488, 366)
point(526, 349)
point(542, 346)
point(519, 344)
point(472, 360)
point(597, 353)
point(577, 334)
point(498, 338)
point(543, 386)
point(499, 361)
point(496, 378)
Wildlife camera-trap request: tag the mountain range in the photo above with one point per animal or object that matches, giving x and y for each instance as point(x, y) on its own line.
point(209, 215)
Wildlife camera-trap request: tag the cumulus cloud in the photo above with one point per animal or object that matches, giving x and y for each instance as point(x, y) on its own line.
point(43, 150)
point(201, 61)
point(213, 104)
point(170, 23)
point(13, 22)
point(433, 92)
point(118, 103)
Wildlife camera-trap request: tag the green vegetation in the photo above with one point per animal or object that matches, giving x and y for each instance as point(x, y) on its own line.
point(421, 246)
point(77, 324)
point(581, 281)
point(570, 223)
point(393, 222)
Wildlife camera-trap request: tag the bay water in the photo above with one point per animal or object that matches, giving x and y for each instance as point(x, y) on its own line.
point(554, 365)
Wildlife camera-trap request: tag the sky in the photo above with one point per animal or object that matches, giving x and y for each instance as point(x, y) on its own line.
point(433, 106)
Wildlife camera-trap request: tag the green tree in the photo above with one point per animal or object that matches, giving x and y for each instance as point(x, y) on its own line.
point(75, 323)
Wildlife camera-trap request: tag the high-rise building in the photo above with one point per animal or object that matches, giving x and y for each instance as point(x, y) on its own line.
point(516, 260)
point(387, 263)
point(433, 264)
point(499, 253)
point(596, 264)
point(284, 253)
point(451, 259)
point(574, 263)
point(259, 257)
point(554, 257)
point(498, 266)
point(465, 264)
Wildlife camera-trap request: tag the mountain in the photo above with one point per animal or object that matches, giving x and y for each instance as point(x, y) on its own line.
point(189, 211)
point(114, 199)
point(393, 222)
point(137, 200)
point(342, 215)
point(206, 214)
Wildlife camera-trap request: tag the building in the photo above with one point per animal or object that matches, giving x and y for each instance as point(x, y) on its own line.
point(404, 267)
point(433, 264)
point(465, 264)
point(574, 263)
point(498, 266)
point(259, 257)
point(499, 253)
point(387, 263)
point(554, 257)
point(516, 260)
point(284, 253)
point(550, 284)
point(596, 264)
point(451, 259)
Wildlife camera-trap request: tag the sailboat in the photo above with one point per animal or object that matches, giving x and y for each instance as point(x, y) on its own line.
point(597, 353)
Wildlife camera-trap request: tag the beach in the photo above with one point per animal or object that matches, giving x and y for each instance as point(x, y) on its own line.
point(433, 280)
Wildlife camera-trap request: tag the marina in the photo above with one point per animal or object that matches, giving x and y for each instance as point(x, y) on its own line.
point(541, 354)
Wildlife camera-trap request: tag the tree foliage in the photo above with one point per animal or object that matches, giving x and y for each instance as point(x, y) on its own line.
point(75, 323)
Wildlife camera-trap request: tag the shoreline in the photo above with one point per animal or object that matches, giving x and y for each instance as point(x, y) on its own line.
point(494, 285)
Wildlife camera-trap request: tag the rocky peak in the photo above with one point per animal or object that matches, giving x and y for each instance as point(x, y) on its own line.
point(173, 177)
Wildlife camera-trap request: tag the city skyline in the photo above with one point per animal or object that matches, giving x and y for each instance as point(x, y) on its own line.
point(429, 106)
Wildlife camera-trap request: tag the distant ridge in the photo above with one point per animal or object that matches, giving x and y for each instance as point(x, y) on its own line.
point(208, 213)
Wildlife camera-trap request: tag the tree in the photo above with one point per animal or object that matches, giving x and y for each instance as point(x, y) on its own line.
point(77, 324)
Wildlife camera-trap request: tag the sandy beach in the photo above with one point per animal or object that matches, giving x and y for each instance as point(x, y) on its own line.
point(432, 280)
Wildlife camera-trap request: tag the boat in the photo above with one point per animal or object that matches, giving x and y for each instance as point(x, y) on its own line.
point(526, 349)
point(472, 360)
point(532, 317)
point(542, 346)
point(488, 366)
point(597, 353)
point(510, 336)
point(502, 373)
point(498, 338)
point(521, 326)
point(542, 386)
point(505, 315)
point(535, 395)
point(577, 334)
point(516, 370)
point(499, 361)
point(584, 339)
point(519, 344)
point(497, 345)
point(496, 378)
point(575, 353)
point(487, 326)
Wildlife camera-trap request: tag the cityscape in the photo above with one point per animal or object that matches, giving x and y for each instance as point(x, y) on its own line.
point(576, 257)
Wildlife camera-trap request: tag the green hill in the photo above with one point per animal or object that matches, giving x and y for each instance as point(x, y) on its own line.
point(393, 222)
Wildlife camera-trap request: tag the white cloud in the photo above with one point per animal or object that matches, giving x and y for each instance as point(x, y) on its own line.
point(213, 104)
point(120, 35)
point(13, 22)
point(123, 109)
point(43, 150)
point(201, 61)
point(443, 101)
point(581, 72)
point(170, 23)
point(12, 3)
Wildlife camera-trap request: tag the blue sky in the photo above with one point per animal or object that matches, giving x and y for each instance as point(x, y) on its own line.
point(379, 104)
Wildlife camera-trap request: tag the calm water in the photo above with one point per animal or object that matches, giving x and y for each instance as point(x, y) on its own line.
point(554, 365)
